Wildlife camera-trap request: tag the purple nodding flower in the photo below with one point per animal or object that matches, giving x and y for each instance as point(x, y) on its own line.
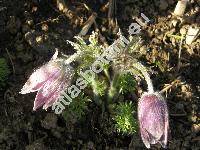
point(49, 80)
point(153, 119)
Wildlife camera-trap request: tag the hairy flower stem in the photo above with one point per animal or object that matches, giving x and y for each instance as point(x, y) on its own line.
point(107, 73)
point(113, 90)
point(73, 57)
point(95, 92)
point(143, 70)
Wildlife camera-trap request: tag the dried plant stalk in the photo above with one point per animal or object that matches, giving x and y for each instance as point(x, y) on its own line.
point(88, 24)
point(192, 34)
point(61, 5)
point(180, 7)
point(112, 13)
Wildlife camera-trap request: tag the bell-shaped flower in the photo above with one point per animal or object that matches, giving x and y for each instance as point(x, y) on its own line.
point(49, 80)
point(153, 119)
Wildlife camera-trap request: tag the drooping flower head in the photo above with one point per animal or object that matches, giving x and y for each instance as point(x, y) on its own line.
point(153, 119)
point(49, 80)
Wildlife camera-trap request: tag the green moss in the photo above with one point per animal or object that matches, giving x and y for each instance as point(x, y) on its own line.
point(125, 122)
point(4, 72)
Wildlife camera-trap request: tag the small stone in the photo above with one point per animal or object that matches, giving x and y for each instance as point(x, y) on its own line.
point(184, 88)
point(143, 50)
point(29, 22)
point(160, 37)
point(194, 118)
point(192, 1)
point(169, 16)
point(34, 8)
point(157, 31)
point(103, 29)
point(45, 27)
point(39, 39)
point(196, 128)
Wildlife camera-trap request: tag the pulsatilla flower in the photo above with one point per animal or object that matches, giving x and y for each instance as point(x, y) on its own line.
point(153, 119)
point(49, 80)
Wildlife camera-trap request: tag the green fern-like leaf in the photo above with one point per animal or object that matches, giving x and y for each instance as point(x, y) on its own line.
point(90, 51)
point(125, 122)
point(77, 108)
point(126, 83)
point(99, 87)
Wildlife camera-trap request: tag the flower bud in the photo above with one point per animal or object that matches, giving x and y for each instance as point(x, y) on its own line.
point(153, 119)
point(49, 80)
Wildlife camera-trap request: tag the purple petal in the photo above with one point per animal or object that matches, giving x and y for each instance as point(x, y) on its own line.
point(63, 85)
point(50, 92)
point(164, 139)
point(153, 119)
point(52, 99)
point(39, 77)
point(145, 137)
point(47, 91)
point(39, 100)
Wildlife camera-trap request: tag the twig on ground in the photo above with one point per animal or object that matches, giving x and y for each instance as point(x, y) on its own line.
point(86, 6)
point(88, 24)
point(180, 7)
point(179, 54)
point(61, 5)
point(169, 86)
point(49, 20)
point(196, 138)
point(13, 67)
point(192, 35)
point(112, 21)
